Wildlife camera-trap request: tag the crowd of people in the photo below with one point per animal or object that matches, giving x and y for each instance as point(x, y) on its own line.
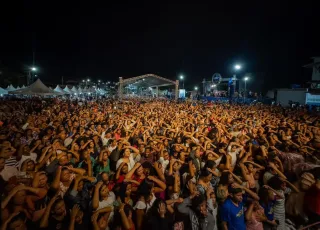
point(157, 164)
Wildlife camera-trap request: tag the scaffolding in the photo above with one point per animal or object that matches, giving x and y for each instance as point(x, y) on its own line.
point(147, 81)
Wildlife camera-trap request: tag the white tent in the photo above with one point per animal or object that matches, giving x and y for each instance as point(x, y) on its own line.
point(67, 90)
point(85, 90)
point(10, 88)
point(101, 91)
point(36, 88)
point(18, 87)
point(59, 90)
point(91, 90)
point(3, 91)
point(80, 90)
point(23, 86)
point(74, 90)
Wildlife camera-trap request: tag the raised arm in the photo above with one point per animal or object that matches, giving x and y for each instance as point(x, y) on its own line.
point(131, 172)
point(274, 191)
point(250, 193)
point(274, 167)
point(56, 181)
point(13, 192)
point(73, 215)
point(95, 199)
point(160, 183)
point(125, 222)
point(119, 170)
point(44, 220)
point(159, 171)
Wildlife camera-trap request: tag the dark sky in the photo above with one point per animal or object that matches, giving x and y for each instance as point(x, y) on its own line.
point(108, 40)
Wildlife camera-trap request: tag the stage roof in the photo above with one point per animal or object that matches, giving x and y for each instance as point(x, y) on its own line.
point(148, 80)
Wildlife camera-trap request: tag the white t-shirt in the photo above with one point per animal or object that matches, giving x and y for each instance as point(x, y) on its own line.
point(108, 202)
point(164, 163)
point(142, 205)
point(217, 161)
point(111, 148)
point(233, 155)
point(130, 164)
point(8, 172)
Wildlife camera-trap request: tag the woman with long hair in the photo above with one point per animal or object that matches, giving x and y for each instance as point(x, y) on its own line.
point(146, 197)
point(156, 217)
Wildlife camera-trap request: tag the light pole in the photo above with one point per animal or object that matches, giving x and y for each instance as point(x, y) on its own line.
point(31, 75)
point(182, 78)
point(245, 87)
point(88, 80)
point(233, 83)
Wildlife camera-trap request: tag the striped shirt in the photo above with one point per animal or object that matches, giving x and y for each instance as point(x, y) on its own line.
point(12, 161)
point(279, 208)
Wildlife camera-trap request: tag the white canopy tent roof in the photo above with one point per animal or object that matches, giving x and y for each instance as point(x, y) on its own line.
point(67, 90)
point(23, 86)
point(80, 90)
point(88, 90)
point(36, 88)
point(3, 91)
point(101, 91)
point(10, 88)
point(59, 90)
point(74, 90)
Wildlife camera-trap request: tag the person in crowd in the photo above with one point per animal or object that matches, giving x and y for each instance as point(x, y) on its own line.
point(232, 210)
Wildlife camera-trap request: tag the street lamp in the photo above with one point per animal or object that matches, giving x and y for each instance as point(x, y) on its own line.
point(182, 78)
point(196, 88)
point(237, 67)
point(88, 80)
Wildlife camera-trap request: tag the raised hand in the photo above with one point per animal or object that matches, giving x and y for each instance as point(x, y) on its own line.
point(162, 210)
point(193, 195)
point(75, 210)
point(99, 184)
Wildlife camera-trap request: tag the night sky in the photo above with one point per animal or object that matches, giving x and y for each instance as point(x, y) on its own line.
point(107, 40)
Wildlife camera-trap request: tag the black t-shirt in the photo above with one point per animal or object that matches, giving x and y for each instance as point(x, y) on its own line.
point(58, 225)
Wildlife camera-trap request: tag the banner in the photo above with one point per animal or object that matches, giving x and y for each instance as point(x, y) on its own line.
point(312, 99)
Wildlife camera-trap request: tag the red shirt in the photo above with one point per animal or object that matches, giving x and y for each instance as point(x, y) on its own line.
point(138, 179)
point(312, 200)
point(121, 178)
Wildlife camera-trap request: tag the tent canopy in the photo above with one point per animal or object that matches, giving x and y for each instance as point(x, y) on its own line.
point(10, 88)
point(3, 91)
point(36, 88)
point(74, 89)
point(67, 90)
point(59, 90)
